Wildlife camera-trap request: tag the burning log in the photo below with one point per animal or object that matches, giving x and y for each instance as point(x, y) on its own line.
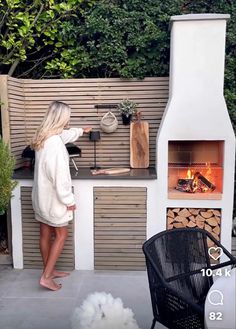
point(205, 182)
point(198, 183)
point(185, 185)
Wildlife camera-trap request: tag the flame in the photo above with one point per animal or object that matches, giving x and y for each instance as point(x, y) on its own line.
point(189, 174)
point(197, 185)
point(208, 171)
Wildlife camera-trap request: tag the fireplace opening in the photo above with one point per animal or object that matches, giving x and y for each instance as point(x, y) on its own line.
point(195, 169)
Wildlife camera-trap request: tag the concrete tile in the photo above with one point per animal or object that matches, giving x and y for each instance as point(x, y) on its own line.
point(7, 277)
point(37, 313)
point(27, 286)
point(11, 316)
point(26, 305)
point(132, 288)
point(8, 272)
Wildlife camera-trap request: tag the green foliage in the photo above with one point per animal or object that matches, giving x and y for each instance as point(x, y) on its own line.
point(30, 32)
point(117, 39)
point(7, 164)
point(105, 38)
point(127, 107)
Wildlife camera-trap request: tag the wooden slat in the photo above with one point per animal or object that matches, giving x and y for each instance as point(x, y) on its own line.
point(120, 230)
point(16, 115)
point(28, 100)
point(96, 81)
point(30, 231)
point(5, 118)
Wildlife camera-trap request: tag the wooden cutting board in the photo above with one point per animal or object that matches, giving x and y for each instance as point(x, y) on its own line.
point(139, 144)
point(110, 171)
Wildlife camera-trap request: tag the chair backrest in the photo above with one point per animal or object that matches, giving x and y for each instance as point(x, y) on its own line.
point(173, 257)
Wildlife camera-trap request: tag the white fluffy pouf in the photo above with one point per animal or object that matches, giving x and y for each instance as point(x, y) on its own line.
point(101, 311)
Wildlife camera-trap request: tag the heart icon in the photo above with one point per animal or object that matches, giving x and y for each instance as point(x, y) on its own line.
point(215, 252)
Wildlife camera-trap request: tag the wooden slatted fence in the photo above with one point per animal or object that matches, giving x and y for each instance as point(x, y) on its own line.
point(28, 100)
point(14, 97)
point(120, 215)
point(30, 232)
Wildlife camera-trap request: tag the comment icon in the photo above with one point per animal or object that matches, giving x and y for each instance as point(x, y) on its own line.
point(215, 297)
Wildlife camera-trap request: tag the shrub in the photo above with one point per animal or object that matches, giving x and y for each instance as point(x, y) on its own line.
point(7, 164)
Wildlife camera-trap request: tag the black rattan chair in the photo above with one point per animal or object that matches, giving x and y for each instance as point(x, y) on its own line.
point(178, 289)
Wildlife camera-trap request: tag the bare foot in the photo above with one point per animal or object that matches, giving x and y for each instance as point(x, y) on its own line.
point(49, 284)
point(59, 274)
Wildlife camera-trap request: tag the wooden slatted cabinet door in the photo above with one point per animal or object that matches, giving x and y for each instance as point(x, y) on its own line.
point(120, 215)
point(30, 232)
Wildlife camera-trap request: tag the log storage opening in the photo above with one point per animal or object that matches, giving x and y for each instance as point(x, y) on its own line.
point(207, 219)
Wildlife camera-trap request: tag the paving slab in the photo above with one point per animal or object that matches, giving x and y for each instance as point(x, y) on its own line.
point(26, 305)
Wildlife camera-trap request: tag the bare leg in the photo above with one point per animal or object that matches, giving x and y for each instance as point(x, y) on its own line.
point(55, 251)
point(46, 232)
point(55, 273)
point(45, 241)
point(60, 274)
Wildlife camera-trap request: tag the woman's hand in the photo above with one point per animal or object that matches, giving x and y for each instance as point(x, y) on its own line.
point(87, 130)
point(72, 207)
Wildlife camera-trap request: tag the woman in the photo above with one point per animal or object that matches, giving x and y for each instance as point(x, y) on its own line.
point(52, 197)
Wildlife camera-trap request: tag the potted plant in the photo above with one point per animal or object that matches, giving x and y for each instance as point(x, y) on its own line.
point(7, 164)
point(127, 109)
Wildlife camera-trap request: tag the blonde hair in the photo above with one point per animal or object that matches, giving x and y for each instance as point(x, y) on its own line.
point(55, 119)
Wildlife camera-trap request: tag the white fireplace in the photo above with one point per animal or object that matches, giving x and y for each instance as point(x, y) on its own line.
point(196, 134)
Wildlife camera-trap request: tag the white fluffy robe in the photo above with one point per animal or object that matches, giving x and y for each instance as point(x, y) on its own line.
point(101, 311)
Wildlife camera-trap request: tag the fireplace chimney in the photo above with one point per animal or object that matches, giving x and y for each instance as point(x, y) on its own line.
point(196, 115)
point(197, 78)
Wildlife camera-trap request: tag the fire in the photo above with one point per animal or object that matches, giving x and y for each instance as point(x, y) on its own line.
point(195, 181)
point(208, 171)
point(189, 174)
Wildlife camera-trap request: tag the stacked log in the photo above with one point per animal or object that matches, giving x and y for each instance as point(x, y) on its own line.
point(207, 219)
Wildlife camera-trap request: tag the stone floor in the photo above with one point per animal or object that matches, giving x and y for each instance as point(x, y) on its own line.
point(26, 305)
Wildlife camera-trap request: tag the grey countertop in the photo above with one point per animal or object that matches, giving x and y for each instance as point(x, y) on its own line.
point(85, 173)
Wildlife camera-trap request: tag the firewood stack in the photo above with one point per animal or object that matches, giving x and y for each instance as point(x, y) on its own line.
point(208, 219)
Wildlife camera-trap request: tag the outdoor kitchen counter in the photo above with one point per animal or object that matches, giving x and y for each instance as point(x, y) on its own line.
point(85, 173)
point(117, 209)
